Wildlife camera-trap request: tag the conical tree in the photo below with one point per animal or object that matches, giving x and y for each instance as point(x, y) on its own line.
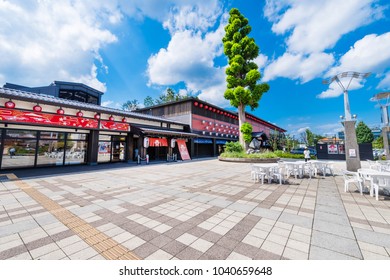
point(364, 133)
point(242, 73)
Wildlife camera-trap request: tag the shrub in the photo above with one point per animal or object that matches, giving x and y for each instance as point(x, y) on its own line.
point(246, 129)
point(244, 155)
point(233, 147)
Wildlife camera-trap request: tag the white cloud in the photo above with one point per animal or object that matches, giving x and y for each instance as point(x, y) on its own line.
point(261, 60)
point(198, 17)
point(50, 40)
point(189, 58)
point(311, 28)
point(329, 129)
point(370, 54)
point(298, 66)
point(111, 104)
point(314, 26)
point(163, 11)
point(385, 83)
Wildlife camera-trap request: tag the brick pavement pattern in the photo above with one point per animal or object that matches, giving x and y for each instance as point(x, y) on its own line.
point(193, 210)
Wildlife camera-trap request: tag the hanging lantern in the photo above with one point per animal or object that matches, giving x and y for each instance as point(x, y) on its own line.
point(123, 119)
point(97, 116)
point(9, 104)
point(111, 118)
point(37, 108)
point(79, 114)
point(196, 104)
point(60, 111)
point(214, 110)
point(201, 105)
point(210, 108)
point(206, 107)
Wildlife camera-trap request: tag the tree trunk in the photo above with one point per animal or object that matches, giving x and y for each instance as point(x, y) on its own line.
point(241, 120)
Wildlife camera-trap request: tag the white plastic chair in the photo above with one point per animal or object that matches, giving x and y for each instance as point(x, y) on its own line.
point(379, 181)
point(258, 173)
point(321, 167)
point(329, 168)
point(292, 169)
point(277, 174)
point(309, 169)
point(352, 177)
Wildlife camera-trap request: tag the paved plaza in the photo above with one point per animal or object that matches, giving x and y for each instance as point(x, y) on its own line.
point(203, 209)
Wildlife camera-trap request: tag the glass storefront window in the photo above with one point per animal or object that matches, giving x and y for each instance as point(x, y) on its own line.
point(18, 153)
point(21, 133)
point(104, 151)
point(77, 136)
point(104, 138)
point(52, 135)
point(75, 152)
point(50, 152)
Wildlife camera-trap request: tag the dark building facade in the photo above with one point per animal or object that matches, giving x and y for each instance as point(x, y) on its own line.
point(65, 90)
point(45, 130)
point(63, 124)
point(214, 126)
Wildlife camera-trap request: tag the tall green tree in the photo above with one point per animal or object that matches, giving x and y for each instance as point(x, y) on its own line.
point(242, 73)
point(148, 101)
point(378, 143)
point(131, 105)
point(169, 96)
point(364, 133)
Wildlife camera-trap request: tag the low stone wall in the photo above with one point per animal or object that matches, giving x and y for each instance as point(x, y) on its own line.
point(250, 160)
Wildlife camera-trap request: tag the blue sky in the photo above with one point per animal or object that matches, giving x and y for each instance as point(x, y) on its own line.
point(132, 49)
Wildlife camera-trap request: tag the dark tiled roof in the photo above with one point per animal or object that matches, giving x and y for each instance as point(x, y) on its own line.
point(52, 100)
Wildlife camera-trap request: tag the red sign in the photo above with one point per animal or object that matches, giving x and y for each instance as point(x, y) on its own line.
point(158, 142)
point(114, 125)
point(181, 144)
point(45, 119)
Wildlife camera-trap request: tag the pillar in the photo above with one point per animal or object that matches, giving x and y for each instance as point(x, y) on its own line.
point(351, 146)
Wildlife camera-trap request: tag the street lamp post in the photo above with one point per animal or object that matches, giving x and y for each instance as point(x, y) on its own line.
point(384, 102)
point(351, 145)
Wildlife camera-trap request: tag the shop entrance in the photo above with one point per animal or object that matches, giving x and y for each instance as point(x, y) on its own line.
point(158, 148)
point(111, 148)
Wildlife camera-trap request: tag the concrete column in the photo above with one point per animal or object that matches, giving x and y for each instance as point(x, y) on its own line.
point(351, 146)
point(93, 147)
point(385, 130)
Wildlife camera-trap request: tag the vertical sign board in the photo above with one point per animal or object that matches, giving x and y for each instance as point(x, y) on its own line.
point(183, 149)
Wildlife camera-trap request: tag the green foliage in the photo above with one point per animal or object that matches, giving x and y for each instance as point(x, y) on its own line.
point(130, 105)
point(282, 154)
point(276, 139)
point(148, 101)
point(245, 155)
point(242, 74)
point(233, 147)
point(364, 133)
point(169, 96)
point(378, 143)
point(246, 129)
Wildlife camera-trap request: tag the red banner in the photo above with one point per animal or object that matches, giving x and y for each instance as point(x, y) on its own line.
point(45, 119)
point(158, 142)
point(114, 125)
point(181, 144)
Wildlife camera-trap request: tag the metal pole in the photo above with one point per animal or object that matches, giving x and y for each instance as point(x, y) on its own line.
point(351, 146)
